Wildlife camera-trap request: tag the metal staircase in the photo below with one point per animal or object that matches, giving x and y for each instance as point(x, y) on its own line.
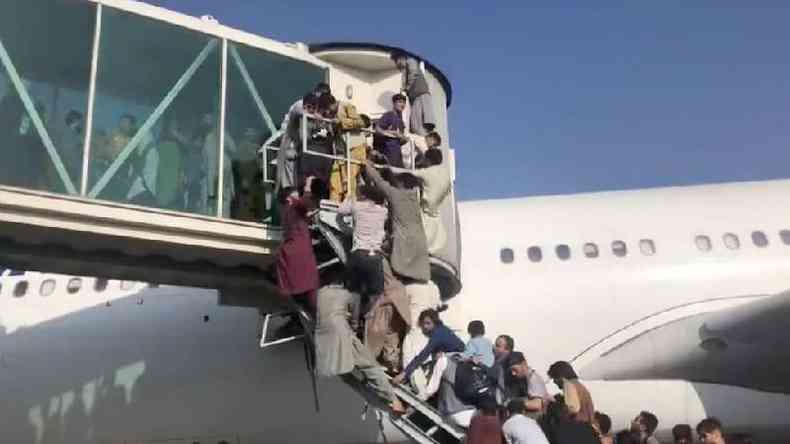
point(421, 424)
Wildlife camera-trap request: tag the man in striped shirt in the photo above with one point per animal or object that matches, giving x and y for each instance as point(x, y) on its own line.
point(366, 275)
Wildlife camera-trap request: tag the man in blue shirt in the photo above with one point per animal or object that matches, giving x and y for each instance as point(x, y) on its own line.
point(441, 339)
point(390, 132)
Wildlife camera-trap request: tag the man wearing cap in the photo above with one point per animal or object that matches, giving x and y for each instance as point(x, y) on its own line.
point(390, 132)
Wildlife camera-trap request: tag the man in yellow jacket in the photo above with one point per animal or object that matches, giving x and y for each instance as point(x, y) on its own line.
point(351, 134)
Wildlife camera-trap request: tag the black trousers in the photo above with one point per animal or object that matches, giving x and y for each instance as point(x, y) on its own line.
point(366, 273)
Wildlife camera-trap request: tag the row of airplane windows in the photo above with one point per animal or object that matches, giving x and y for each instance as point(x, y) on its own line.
point(73, 286)
point(646, 246)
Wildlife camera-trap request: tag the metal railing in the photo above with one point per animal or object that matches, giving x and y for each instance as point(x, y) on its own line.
point(268, 146)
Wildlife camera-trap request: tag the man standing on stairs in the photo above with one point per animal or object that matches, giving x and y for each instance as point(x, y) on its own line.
point(369, 275)
point(409, 256)
point(415, 85)
point(297, 271)
point(338, 350)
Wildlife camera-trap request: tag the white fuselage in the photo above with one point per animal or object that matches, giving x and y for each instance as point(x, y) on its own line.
point(582, 307)
point(170, 363)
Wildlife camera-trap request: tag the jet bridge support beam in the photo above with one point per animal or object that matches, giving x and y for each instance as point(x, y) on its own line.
point(86, 148)
point(221, 137)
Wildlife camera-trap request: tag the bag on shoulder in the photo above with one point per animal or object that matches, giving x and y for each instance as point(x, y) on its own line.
point(471, 383)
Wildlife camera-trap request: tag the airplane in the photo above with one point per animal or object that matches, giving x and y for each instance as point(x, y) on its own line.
point(670, 300)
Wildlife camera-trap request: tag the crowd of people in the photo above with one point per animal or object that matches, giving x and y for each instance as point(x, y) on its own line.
point(174, 165)
point(334, 127)
point(395, 214)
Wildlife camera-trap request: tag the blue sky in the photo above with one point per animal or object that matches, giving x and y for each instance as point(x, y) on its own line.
point(564, 99)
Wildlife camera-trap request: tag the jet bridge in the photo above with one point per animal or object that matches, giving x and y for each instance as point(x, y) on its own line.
point(129, 134)
point(131, 138)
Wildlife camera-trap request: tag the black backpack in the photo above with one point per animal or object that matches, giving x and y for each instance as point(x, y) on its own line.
point(472, 384)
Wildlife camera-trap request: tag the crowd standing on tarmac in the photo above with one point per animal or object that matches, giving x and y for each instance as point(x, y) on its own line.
point(385, 294)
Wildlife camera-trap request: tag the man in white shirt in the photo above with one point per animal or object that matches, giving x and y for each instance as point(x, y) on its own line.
point(436, 184)
point(519, 429)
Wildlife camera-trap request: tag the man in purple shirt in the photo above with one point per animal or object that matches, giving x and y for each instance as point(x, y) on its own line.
point(390, 129)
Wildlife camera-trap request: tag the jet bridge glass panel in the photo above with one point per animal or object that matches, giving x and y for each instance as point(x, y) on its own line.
point(45, 50)
point(261, 87)
point(156, 115)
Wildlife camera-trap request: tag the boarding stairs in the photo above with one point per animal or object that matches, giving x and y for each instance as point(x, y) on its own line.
point(421, 424)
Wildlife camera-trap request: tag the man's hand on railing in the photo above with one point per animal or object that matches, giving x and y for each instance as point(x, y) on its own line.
point(391, 134)
point(308, 184)
point(321, 118)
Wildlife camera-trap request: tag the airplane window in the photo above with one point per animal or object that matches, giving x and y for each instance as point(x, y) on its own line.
point(563, 252)
point(703, 243)
point(21, 289)
point(759, 239)
point(506, 255)
point(535, 254)
point(590, 250)
point(647, 247)
point(74, 285)
point(619, 248)
point(47, 287)
point(731, 241)
point(100, 285)
point(785, 235)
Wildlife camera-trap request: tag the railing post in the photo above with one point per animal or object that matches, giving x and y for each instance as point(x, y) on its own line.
point(348, 166)
point(411, 154)
point(304, 138)
point(265, 163)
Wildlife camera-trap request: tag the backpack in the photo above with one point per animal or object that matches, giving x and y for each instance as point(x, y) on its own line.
point(471, 383)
